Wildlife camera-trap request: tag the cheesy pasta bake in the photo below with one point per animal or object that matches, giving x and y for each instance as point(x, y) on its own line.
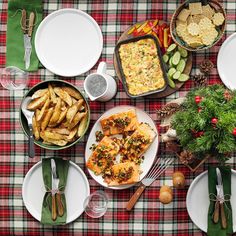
point(141, 66)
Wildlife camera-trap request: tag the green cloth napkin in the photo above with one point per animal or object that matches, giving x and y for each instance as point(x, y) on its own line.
point(62, 171)
point(215, 229)
point(15, 42)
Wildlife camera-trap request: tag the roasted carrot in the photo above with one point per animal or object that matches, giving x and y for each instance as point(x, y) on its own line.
point(165, 37)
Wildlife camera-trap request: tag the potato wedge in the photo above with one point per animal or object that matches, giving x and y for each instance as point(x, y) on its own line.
point(72, 92)
point(73, 100)
point(53, 135)
point(73, 110)
point(47, 118)
point(52, 141)
point(63, 95)
point(72, 133)
point(56, 114)
point(76, 120)
point(43, 110)
point(82, 125)
point(36, 113)
point(39, 93)
point(62, 116)
point(38, 102)
point(52, 94)
point(35, 128)
point(59, 130)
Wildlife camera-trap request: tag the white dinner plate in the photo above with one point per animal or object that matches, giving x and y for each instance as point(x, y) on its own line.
point(198, 200)
point(77, 189)
point(149, 155)
point(68, 42)
point(226, 62)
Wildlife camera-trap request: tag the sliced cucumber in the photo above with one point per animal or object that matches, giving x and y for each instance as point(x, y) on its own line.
point(183, 77)
point(181, 66)
point(171, 83)
point(171, 72)
point(165, 58)
point(171, 48)
point(176, 75)
point(176, 58)
point(170, 62)
point(183, 52)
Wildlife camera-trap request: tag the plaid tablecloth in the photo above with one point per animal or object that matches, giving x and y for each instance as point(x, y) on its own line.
point(149, 216)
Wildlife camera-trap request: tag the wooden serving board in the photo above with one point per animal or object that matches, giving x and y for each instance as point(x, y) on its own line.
point(168, 89)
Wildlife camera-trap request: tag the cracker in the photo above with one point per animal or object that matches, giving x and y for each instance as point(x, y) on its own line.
point(218, 19)
point(205, 24)
point(193, 41)
point(190, 19)
point(193, 29)
point(208, 11)
point(209, 36)
point(183, 15)
point(196, 19)
point(180, 22)
point(180, 30)
point(195, 8)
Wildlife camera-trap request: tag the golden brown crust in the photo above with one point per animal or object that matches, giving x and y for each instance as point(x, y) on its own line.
point(119, 123)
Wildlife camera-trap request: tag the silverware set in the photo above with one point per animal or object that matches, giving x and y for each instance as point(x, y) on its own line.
point(57, 205)
point(158, 169)
point(27, 28)
point(219, 211)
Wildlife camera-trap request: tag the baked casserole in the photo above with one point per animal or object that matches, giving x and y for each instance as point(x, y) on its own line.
point(141, 66)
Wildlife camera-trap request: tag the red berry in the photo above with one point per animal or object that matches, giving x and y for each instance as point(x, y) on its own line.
point(199, 109)
point(200, 133)
point(198, 99)
point(214, 120)
point(234, 132)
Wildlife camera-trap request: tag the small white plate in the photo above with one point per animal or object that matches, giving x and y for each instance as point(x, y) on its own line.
point(198, 200)
point(149, 155)
point(77, 189)
point(68, 42)
point(226, 62)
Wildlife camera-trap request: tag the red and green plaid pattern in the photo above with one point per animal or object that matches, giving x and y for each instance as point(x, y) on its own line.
point(149, 216)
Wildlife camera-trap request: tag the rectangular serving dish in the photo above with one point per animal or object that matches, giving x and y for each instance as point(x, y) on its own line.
point(122, 72)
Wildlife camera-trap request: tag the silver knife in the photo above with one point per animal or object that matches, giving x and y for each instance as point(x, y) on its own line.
point(220, 194)
point(27, 41)
point(60, 208)
point(55, 184)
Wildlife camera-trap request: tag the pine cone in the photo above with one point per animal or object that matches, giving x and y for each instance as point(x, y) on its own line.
point(167, 110)
point(186, 157)
point(200, 80)
point(206, 66)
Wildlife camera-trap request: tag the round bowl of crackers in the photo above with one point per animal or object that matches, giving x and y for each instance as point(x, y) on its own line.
point(198, 25)
point(61, 114)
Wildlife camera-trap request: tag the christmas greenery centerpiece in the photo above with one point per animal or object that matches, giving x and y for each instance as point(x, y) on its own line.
point(206, 124)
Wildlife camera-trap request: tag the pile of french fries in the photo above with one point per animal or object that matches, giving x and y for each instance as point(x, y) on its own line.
point(60, 115)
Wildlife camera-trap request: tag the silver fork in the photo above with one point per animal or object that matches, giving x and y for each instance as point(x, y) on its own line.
point(159, 167)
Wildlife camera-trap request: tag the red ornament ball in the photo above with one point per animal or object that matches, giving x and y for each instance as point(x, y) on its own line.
point(214, 121)
point(234, 132)
point(198, 99)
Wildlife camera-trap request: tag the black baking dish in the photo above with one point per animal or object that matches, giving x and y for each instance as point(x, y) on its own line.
point(122, 72)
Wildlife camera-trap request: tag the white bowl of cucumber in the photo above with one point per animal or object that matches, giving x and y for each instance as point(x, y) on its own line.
point(176, 59)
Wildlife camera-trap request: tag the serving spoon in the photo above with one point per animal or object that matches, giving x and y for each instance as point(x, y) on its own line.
point(29, 116)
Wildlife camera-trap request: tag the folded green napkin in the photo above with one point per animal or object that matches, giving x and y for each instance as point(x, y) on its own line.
point(215, 229)
point(15, 43)
point(62, 171)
